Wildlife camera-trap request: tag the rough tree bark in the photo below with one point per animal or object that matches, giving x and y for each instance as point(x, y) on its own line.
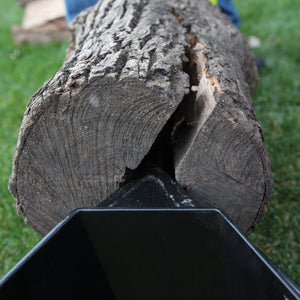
point(147, 82)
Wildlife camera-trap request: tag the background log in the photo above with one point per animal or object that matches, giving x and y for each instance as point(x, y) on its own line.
point(43, 21)
point(145, 82)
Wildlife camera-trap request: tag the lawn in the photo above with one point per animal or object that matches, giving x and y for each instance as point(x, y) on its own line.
point(22, 71)
point(277, 104)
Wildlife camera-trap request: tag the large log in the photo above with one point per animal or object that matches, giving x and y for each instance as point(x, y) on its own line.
point(147, 83)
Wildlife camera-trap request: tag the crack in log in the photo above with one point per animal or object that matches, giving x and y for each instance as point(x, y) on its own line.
point(178, 17)
point(179, 130)
point(160, 156)
point(182, 126)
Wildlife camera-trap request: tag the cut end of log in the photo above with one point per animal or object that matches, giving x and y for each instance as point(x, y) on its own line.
point(147, 84)
point(78, 150)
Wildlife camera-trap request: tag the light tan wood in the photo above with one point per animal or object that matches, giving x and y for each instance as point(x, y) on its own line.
point(43, 21)
point(54, 30)
point(40, 12)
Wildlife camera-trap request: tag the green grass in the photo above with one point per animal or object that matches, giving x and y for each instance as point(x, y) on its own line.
point(22, 71)
point(277, 103)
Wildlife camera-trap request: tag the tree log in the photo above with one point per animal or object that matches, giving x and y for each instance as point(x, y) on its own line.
point(146, 83)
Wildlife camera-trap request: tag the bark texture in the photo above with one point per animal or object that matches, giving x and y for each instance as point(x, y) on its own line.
point(145, 80)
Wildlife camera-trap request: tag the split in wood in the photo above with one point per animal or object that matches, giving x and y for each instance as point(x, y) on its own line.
point(184, 123)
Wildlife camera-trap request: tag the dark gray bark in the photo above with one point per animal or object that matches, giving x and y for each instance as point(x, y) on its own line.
point(145, 81)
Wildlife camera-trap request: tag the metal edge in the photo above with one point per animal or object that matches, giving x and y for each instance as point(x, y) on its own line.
point(281, 276)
